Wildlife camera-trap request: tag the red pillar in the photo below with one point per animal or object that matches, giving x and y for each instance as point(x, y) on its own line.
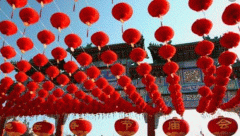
point(60, 125)
point(2, 123)
point(151, 125)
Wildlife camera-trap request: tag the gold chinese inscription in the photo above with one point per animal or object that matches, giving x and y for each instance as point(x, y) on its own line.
point(224, 124)
point(74, 125)
point(37, 127)
point(128, 123)
point(174, 125)
point(9, 126)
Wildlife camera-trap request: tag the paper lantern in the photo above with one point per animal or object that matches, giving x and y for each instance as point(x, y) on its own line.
point(23, 65)
point(109, 57)
point(8, 28)
point(204, 48)
point(202, 27)
point(122, 12)
point(89, 16)
point(8, 52)
point(52, 71)
point(80, 127)
point(62, 79)
point(158, 8)
point(84, 59)
point(138, 55)
point(70, 67)
point(199, 5)
point(60, 21)
point(17, 3)
point(46, 37)
point(100, 39)
point(230, 40)
point(40, 60)
point(231, 15)
point(80, 76)
point(29, 16)
point(117, 69)
point(164, 34)
point(126, 127)
point(37, 77)
point(175, 126)
point(93, 72)
point(43, 128)
point(222, 126)
point(48, 85)
point(24, 44)
point(131, 36)
point(59, 53)
point(73, 41)
point(15, 128)
point(6, 67)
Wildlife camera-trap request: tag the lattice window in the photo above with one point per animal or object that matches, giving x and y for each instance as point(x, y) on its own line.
point(192, 76)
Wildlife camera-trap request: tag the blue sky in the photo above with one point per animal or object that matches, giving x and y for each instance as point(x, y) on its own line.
point(180, 18)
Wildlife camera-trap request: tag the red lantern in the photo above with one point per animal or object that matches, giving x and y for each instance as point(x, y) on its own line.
point(15, 128)
point(29, 16)
point(8, 28)
point(89, 16)
point(17, 3)
point(164, 34)
point(122, 12)
point(70, 67)
point(138, 55)
point(158, 8)
point(84, 59)
point(176, 127)
point(59, 53)
point(231, 15)
point(43, 128)
point(24, 44)
point(199, 5)
point(8, 52)
point(109, 57)
point(6, 67)
point(202, 27)
point(60, 21)
point(126, 127)
point(46, 37)
point(100, 39)
point(52, 71)
point(222, 126)
point(131, 36)
point(40, 60)
point(73, 41)
point(80, 127)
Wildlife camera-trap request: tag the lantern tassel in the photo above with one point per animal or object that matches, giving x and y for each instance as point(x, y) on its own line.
point(122, 27)
point(40, 13)
point(87, 31)
point(74, 6)
point(58, 37)
point(24, 31)
point(12, 14)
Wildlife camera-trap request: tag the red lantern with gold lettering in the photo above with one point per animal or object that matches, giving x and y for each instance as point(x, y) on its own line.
point(176, 127)
point(222, 126)
point(126, 127)
point(80, 127)
point(15, 128)
point(43, 128)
